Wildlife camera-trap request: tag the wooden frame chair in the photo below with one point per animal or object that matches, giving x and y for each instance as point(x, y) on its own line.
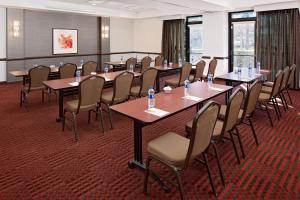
point(120, 93)
point(36, 77)
point(147, 80)
point(159, 60)
point(177, 159)
point(184, 74)
point(146, 62)
point(68, 70)
point(90, 90)
point(89, 67)
point(131, 61)
point(200, 66)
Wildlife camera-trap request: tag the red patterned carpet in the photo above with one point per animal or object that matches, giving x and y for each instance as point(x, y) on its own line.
point(39, 161)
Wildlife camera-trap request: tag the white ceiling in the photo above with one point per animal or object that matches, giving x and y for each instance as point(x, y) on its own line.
point(141, 8)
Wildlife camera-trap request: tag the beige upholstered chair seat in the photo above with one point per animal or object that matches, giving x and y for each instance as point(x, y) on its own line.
point(160, 147)
point(73, 105)
point(266, 89)
point(268, 84)
point(264, 97)
point(108, 96)
point(135, 91)
point(172, 82)
point(26, 88)
point(217, 130)
point(222, 113)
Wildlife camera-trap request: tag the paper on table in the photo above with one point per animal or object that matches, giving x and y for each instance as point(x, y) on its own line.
point(74, 84)
point(107, 79)
point(157, 112)
point(216, 89)
point(193, 98)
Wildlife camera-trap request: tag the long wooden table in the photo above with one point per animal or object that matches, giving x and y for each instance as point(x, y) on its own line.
point(64, 85)
point(173, 103)
point(118, 65)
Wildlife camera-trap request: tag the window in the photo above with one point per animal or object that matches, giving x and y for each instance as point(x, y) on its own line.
point(194, 39)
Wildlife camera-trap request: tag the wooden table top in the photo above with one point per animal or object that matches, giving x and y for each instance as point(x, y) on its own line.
point(244, 76)
point(118, 63)
point(172, 102)
point(66, 83)
point(169, 67)
point(20, 73)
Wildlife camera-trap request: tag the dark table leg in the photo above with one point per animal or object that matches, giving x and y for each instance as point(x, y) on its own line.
point(157, 82)
point(138, 154)
point(229, 92)
point(24, 80)
point(60, 105)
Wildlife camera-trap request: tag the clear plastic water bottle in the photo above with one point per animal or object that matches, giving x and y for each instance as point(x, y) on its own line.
point(179, 60)
point(122, 59)
point(61, 63)
point(209, 79)
point(239, 70)
point(249, 70)
point(77, 75)
point(131, 67)
point(258, 67)
point(151, 98)
point(105, 69)
point(186, 87)
point(81, 63)
point(165, 63)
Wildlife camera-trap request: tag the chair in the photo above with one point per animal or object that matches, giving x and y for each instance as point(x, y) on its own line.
point(131, 61)
point(90, 90)
point(199, 71)
point(265, 98)
point(89, 67)
point(212, 67)
point(147, 81)
point(67, 70)
point(184, 74)
point(228, 125)
point(159, 61)
point(290, 82)
point(146, 62)
point(120, 93)
point(247, 112)
point(175, 151)
point(36, 77)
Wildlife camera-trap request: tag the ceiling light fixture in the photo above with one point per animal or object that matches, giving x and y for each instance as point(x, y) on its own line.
point(95, 2)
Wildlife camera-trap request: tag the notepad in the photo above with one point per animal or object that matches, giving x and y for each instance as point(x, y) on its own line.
point(74, 84)
point(157, 112)
point(107, 79)
point(193, 98)
point(216, 89)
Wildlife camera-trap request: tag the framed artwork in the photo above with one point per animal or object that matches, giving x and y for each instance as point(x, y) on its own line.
point(65, 41)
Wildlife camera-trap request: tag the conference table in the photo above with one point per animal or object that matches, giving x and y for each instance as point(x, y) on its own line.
point(63, 86)
point(119, 65)
point(166, 105)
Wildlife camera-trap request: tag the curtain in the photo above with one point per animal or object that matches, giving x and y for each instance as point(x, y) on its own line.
point(173, 40)
point(278, 40)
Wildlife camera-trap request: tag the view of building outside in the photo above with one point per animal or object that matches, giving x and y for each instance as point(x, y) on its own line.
point(244, 43)
point(196, 45)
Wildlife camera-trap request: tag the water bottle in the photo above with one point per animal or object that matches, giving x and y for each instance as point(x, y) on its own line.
point(122, 58)
point(61, 63)
point(209, 79)
point(151, 98)
point(239, 70)
point(131, 67)
point(165, 63)
point(249, 70)
point(186, 87)
point(77, 75)
point(105, 69)
point(179, 61)
point(258, 67)
point(81, 63)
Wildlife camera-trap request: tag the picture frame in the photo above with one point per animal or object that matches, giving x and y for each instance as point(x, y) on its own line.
point(64, 41)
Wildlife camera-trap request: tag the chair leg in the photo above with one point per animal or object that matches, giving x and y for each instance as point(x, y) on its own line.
point(43, 96)
point(89, 116)
point(240, 142)
point(21, 98)
point(287, 91)
point(101, 118)
point(209, 174)
point(284, 99)
point(278, 108)
point(234, 147)
point(219, 164)
point(179, 182)
point(75, 126)
point(269, 116)
point(275, 108)
point(64, 121)
point(147, 172)
point(110, 116)
point(253, 131)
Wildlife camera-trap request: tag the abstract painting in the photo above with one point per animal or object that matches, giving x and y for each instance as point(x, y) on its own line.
point(65, 41)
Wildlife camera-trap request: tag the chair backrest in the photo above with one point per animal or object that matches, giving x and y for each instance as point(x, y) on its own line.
point(37, 75)
point(185, 73)
point(89, 67)
point(67, 70)
point(122, 87)
point(199, 70)
point(286, 72)
point(291, 76)
point(277, 82)
point(90, 91)
point(148, 80)
point(251, 98)
point(212, 66)
point(131, 61)
point(202, 130)
point(159, 61)
point(146, 62)
point(232, 111)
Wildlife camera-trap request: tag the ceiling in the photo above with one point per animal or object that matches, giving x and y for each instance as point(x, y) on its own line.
point(141, 8)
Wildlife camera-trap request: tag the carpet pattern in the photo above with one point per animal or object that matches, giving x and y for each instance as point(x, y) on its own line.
point(39, 161)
